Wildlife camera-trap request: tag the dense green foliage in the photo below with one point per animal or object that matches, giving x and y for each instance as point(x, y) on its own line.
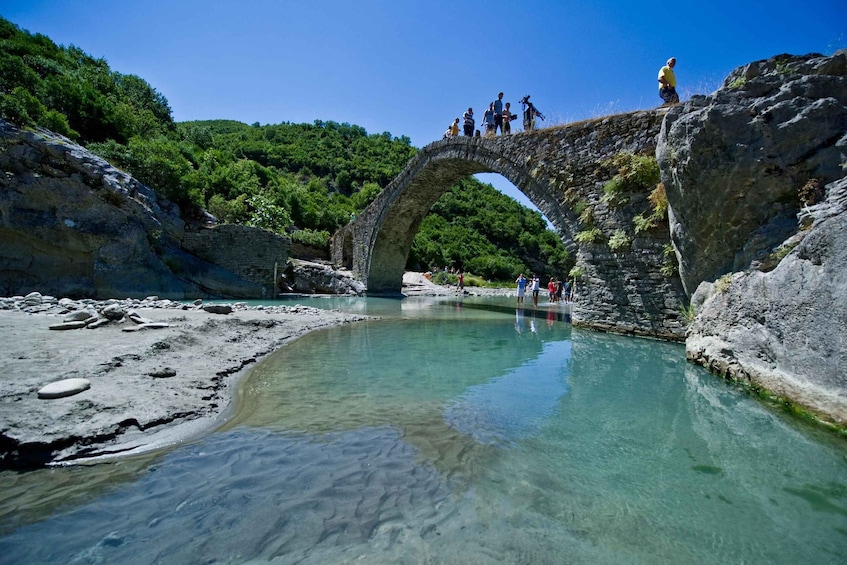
point(475, 228)
point(302, 179)
point(70, 92)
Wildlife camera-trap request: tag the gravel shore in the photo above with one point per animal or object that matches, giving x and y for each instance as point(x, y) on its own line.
point(159, 371)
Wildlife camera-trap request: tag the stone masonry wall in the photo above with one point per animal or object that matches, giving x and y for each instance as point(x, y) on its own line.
point(250, 253)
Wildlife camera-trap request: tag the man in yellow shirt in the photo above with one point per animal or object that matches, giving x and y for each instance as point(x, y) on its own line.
point(667, 83)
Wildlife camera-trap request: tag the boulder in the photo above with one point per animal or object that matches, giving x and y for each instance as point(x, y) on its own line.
point(218, 308)
point(740, 164)
point(113, 312)
point(317, 278)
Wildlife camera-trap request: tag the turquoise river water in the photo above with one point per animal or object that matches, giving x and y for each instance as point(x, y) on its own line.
point(458, 432)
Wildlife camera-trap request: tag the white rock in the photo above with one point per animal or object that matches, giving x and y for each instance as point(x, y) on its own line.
point(79, 316)
point(32, 299)
point(68, 326)
point(66, 387)
point(113, 312)
point(149, 325)
point(137, 318)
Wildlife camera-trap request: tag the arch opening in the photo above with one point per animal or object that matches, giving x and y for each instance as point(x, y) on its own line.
point(406, 205)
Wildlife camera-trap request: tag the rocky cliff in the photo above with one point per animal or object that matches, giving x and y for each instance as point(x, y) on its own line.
point(755, 182)
point(738, 165)
point(785, 330)
point(72, 225)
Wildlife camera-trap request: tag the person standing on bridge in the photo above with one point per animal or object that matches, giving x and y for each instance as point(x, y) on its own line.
point(469, 123)
point(488, 120)
point(498, 113)
point(507, 117)
point(454, 128)
point(529, 114)
point(667, 83)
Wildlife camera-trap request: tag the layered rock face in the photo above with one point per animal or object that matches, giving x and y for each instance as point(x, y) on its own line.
point(785, 330)
point(73, 225)
point(745, 171)
point(735, 164)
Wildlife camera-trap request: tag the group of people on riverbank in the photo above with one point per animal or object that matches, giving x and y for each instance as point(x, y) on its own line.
point(557, 290)
point(498, 116)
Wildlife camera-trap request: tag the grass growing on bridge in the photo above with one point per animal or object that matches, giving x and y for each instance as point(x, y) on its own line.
point(635, 173)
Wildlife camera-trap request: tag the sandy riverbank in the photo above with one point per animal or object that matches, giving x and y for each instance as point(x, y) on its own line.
point(148, 388)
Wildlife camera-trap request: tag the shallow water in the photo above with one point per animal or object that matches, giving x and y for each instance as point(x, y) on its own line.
point(449, 433)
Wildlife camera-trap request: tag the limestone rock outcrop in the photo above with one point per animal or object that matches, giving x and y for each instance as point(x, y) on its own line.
point(308, 277)
point(738, 165)
point(73, 225)
point(785, 330)
point(755, 178)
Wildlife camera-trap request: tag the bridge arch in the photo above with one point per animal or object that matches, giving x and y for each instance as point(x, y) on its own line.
point(556, 168)
point(386, 230)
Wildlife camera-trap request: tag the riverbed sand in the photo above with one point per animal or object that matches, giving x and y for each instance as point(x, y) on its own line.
point(149, 388)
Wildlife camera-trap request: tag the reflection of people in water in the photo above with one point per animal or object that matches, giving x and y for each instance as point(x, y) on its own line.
point(532, 327)
point(519, 320)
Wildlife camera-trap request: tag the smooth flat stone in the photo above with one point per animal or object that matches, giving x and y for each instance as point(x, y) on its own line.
point(68, 326)
point(150, 325)
point(66, 387)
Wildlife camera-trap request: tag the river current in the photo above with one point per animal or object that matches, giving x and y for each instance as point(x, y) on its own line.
point(457, 432)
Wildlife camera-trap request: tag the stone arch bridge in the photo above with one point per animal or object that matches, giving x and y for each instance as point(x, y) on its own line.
point(562, 170)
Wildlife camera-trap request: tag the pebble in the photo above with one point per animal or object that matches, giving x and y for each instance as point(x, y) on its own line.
point(68, 326)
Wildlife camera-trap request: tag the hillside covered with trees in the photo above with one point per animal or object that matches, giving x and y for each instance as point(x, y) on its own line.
point(301, 179)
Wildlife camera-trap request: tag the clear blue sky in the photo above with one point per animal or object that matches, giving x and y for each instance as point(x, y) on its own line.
point(411, 67)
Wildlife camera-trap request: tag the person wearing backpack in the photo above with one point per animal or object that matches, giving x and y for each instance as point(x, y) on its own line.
point(506, 128)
